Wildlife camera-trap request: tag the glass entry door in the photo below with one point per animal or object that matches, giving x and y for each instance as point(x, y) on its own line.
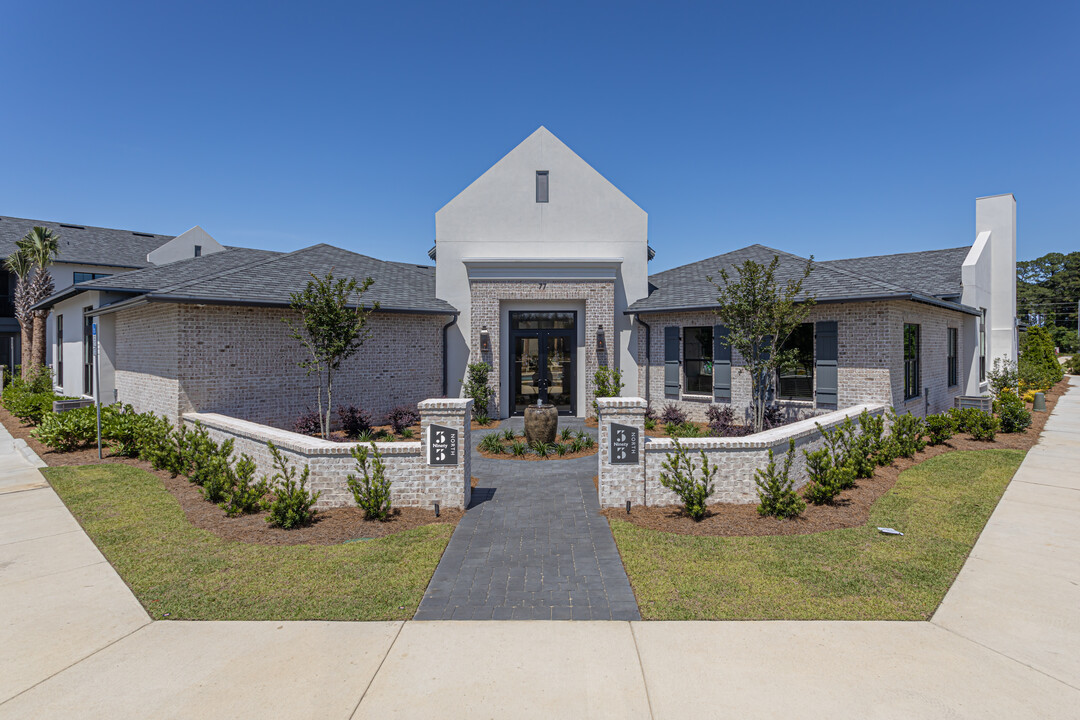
point(542, 366)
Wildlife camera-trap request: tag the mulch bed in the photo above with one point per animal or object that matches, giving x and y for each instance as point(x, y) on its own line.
point(529, 457)
point(851, 508)
point(331, 526)
point(490, 426)
point(388, 435)
point(658, 430)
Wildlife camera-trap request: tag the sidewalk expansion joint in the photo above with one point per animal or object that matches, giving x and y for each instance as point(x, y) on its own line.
point(375, 674)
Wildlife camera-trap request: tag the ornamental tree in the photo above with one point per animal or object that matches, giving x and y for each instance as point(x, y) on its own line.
point(332, 327)
point(760, 315)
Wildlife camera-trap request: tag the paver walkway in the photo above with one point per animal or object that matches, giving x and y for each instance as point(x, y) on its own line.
point(74, 643)
point(531, 547)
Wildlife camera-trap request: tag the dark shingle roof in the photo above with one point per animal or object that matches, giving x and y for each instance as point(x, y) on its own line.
point(86, 245)
point(156, 277)
point(398, 286)
point(688, 287)
point(932, 272)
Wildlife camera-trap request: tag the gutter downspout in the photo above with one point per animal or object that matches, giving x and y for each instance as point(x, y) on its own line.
point(648, 353)
point(445, 360)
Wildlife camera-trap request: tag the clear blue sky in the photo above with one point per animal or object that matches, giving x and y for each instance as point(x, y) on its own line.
point(838, 129)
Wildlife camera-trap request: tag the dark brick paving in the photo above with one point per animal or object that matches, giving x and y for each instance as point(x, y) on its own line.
point(531, 547)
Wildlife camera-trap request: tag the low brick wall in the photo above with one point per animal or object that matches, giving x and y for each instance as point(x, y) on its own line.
point(736, 459)
point(414, 483)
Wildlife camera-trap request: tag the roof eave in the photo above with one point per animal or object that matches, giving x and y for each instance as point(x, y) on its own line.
point(196, 300)
point(914, 297)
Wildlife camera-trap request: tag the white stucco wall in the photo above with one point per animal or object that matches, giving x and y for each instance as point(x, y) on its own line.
point(585, 218)
point(182, 247)
point(989, 281)
point(70, 381)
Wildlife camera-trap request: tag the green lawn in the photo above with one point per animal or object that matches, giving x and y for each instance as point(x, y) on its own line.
point(941, 505)
point(188, 573)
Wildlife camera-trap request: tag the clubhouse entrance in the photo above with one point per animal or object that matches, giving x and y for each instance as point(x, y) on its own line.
point(543, 346)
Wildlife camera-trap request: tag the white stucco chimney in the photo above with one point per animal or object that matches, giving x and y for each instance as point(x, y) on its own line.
point(997, 215)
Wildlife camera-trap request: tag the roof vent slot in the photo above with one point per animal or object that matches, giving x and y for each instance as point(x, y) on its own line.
point(142, 234)
point(73, 227)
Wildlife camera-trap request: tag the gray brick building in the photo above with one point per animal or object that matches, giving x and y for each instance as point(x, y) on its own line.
point(541, 269)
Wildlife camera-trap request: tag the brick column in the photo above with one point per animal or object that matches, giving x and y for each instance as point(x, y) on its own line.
point(619, 482)
point(451, 485)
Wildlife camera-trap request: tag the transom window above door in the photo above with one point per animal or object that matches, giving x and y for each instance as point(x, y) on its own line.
point(525, 320)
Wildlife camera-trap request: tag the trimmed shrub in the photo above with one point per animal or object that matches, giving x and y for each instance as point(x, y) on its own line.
point(1073, 366)
point(939, 428)
point(478, 387)
point(120, 427)
point(608, 384)
point(773, 417)
point(722, 422)
point(967, 419)
point(1003, 376)
point(1013, 413)
point(293, 505)
point(402, 417)
point(672, 414)
point(308, 423)
point(245, 494)
point(907, 434)
point(984, 426)
point(353, 420)
point(68, 431)
point(371, 488)
point(30, 400)
point(161, 445)
point(826, 479)
point(775, 488)
point(678, 475)
point(1039, 367)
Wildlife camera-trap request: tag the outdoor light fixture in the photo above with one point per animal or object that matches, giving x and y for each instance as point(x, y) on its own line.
point(436, 508)
point(627, 507)
point(485, 339)
point(600, 346)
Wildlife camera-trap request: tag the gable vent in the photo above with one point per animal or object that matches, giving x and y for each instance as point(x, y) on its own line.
point(73, 227)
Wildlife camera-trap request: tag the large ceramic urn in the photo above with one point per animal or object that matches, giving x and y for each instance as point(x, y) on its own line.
point(541, 423)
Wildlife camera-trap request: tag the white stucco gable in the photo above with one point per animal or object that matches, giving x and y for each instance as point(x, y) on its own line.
point(183, 247)
point(586, 231)
point(583, 207)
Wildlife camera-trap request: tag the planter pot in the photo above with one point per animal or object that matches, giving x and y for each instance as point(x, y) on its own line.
point(541, 423)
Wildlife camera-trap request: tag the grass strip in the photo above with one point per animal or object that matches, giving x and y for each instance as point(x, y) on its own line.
point(182, 572)
point(941, 505)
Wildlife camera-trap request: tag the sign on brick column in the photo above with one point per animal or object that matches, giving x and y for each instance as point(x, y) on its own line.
point(622, 451)
point(446, 428)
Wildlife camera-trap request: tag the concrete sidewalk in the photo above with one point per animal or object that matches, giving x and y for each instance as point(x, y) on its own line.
point(74, 642)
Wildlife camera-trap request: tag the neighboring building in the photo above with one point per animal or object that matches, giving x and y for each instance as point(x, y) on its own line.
point(541, 270)
point(86, 253)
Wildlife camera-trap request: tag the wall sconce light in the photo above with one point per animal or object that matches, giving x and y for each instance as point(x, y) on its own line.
point(601, 346)
point(485, 339)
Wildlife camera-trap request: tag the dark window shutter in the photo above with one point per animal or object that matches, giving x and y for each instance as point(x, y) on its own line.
point(721, 369)
point(827, 349)
point(671, 361)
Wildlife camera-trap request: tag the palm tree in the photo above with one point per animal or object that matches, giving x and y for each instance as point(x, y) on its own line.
point(41, 245)
point(20, 264)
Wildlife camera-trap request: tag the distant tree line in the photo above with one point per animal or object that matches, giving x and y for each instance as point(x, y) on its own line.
point(1047, 291)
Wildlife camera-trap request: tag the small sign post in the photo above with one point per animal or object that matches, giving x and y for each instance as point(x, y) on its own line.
point(97, 385)
point(624, 445)
point(442, 445)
